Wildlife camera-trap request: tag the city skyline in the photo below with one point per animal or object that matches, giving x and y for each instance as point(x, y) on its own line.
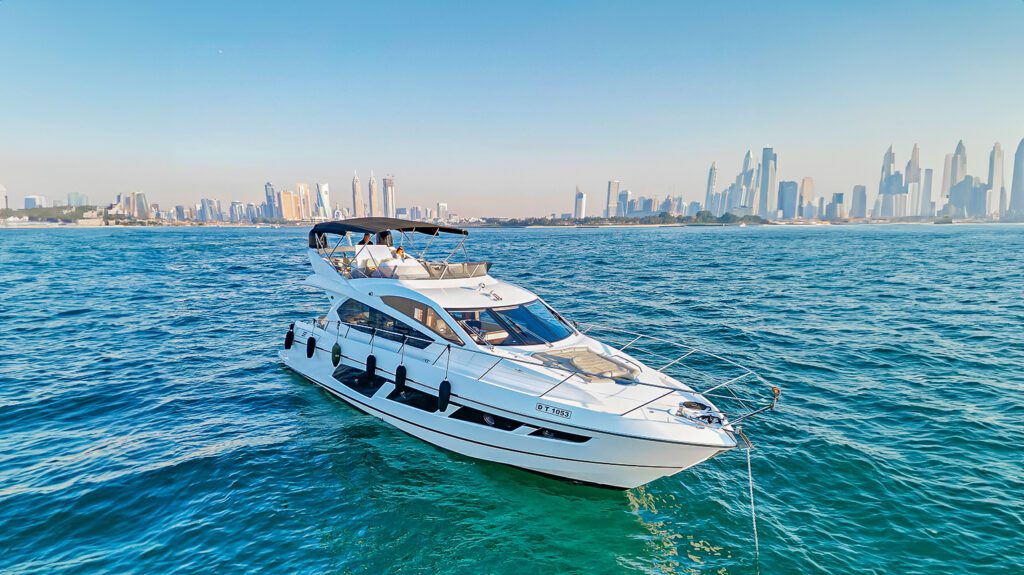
point(494, 109)
point(759, 190)
point(995, 195)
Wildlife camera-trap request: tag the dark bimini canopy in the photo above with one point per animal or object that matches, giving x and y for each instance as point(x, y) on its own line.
point(375, 226)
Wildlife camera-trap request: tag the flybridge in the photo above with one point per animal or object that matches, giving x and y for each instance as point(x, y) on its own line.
point(375, 254)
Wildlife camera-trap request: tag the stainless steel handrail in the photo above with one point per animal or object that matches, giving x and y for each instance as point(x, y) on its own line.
point(322, 323)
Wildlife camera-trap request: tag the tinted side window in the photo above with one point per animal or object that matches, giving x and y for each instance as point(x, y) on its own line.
point(364, 318)
point(423, 314)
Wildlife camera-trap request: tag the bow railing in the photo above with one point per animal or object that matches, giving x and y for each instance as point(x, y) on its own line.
point(738, 392)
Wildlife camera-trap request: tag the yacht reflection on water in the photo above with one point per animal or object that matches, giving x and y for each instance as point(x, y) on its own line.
point(447, 353)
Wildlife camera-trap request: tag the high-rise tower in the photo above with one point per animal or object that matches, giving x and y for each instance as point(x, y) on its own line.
point(891, 192)
point(622, 203)
point(611, 202)
point(926, 209)
point(788, 199)
point(769, 194)
point(947, 167)
point(913, 173)
point(1016, 207)
point(712, 176)
point(373, 198)
point(305, 202)
point(270, 208)
point(806, 197)
point(859, 207)
point(747, 181)
point(579, 210)
point(888, 168)
point(357, 197)
point(958, 170)
point(323, 201)
point(389, 197)
point(996, 197)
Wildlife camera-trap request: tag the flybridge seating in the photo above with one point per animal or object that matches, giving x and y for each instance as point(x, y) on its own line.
point(372, 252)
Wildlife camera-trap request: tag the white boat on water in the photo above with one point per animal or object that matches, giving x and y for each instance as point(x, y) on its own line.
point(449, 354)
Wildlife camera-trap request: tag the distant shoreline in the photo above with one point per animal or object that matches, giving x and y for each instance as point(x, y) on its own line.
point(305, 225)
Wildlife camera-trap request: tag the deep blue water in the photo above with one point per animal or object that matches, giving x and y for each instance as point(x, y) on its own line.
point(146, 426)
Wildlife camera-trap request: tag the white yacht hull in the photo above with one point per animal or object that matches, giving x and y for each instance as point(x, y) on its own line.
point(447, 353)
point(606, 458)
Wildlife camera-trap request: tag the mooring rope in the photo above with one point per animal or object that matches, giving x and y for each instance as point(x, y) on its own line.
point(753, 511)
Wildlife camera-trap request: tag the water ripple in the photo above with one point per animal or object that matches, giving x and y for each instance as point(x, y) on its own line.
point(145, 425)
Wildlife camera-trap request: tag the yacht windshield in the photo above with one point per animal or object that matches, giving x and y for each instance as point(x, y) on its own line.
point(527, 324)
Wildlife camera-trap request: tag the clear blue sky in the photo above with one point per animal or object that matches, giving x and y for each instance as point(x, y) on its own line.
point(497, 108)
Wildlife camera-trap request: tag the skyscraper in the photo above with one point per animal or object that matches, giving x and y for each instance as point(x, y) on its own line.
point(947, 167)
point(323, 201)
point(7, 202)
point(768, 206)
point(913, 172)
point(996, 197)
point(746, 181)
point(958, 170)
point(888, 168)
point(961, 202)
point(357, 197)
point(712, 176)
point(754, 191)
point(442, 211)
point(305, 201)
point(912, 183)
point(289, 206)
point(141, 206)
point(927, 207)
point(1016, 208)
point(836, 209)
point(891, 192)
point(859, 207)
point(622, 206)
point(806, 197)
point(389, 198)
point(236, 213)
point(613, 195)
point(374, 199)
point(270, 208)
point(580, 206)
point(788, 198)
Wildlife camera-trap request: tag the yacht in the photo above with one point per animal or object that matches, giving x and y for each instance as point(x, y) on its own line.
point(447, 353)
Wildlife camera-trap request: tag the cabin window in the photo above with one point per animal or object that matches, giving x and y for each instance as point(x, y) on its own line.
point(527, 324)
point(425, 315)
point(364, 318)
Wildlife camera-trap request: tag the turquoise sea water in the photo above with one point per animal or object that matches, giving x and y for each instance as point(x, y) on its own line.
point(146, 426)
